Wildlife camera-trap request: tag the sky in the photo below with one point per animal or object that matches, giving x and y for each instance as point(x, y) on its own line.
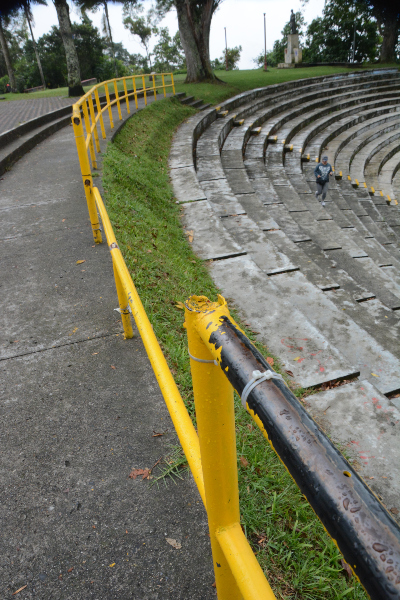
point(243, 19)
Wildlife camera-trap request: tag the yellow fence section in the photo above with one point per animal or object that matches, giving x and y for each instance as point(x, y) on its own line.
point(89, 112)
point(211, 454)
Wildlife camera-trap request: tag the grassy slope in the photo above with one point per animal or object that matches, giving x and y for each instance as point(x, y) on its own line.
point(299, 559)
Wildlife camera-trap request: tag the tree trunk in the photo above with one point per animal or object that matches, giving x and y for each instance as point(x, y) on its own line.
point(74, 75)
point(110, 36)
point(390, 37)
point(194, 19)
point(35, 47)
point(7, 58)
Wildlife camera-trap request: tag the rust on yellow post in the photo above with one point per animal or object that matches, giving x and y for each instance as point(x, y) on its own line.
point(94, 125)
point(85, 170)
point(144, 90)
point(117, 99)
point(89, 139)
point(237, 572)
point(213, 397)
point(134, 91)
point(128, 109)
point(109, 106)
point(100, 114)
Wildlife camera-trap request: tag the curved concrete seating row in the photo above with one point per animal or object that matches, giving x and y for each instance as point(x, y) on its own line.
point(320, 285)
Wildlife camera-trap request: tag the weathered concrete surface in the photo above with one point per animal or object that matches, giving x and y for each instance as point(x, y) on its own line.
point(361, 349)
point(79, 406)
point(186, 185)
point(282, 327)
point(210, 238)
point(366, 425)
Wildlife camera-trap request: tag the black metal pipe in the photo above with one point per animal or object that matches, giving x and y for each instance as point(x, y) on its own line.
point(365, 533)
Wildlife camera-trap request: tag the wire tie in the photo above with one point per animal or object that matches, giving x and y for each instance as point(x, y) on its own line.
point(257, 378)
point(202, 360)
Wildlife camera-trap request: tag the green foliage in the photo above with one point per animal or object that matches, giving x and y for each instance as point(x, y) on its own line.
point(143, 26)
point(3, 84)
point(330, 37)
point(233, 59)
point(168, 52)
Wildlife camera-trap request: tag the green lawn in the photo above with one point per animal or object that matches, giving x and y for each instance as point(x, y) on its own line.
point(299, 559)
point(232, 82)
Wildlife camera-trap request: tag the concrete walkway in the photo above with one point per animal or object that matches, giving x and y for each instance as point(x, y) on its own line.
point(16, 112)
point(79, 408)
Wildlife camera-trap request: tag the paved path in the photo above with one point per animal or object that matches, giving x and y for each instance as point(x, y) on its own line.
point(16, 112)
point(79, 406)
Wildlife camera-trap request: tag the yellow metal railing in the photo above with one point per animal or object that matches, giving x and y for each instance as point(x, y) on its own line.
point(88, 114)
point(211, 454)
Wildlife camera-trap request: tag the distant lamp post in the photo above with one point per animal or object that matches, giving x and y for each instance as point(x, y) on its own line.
point(226, 52)
point(265, 46)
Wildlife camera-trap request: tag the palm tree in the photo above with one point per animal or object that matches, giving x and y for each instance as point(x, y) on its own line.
point(93, 5)
point(74, 74)
point(26, 5)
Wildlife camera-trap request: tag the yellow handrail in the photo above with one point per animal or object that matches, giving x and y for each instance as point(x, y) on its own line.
point(238, 574)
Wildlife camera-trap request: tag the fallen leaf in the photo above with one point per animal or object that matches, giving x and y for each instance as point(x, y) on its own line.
point(270, 360)
point(70, 570)
point(297, 358)
point(136, 472)
point(244, 462)
point(155, 434)
point(112, 366)
point(149, 251)
point(374, 375)
point(394, 510)
point(289, 373)
point(112, 565)
point(214, 584)
point(20, 589)
point(180, 305)
point(79, 262)
point(60, 576)
point(346, 568)
point(173, 543)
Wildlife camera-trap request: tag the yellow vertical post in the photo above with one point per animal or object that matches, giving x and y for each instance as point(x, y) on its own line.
point(98, 106)
point(89, 143)
point(154, 87)
point(94, 124)
point(85, 170)
point(135, 92)
point(213, 396)
point(144, 90)
point(117, 98)
point(123, 303)
point(126, 97)
point(163, 84)
point(109, 107)
point(172, 82)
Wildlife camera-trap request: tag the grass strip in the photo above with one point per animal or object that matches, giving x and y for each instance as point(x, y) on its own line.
point(298, 557)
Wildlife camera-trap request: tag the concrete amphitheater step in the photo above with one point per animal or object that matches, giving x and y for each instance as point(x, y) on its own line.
point(282, 327)
point(366, 424)
point(379, 137)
